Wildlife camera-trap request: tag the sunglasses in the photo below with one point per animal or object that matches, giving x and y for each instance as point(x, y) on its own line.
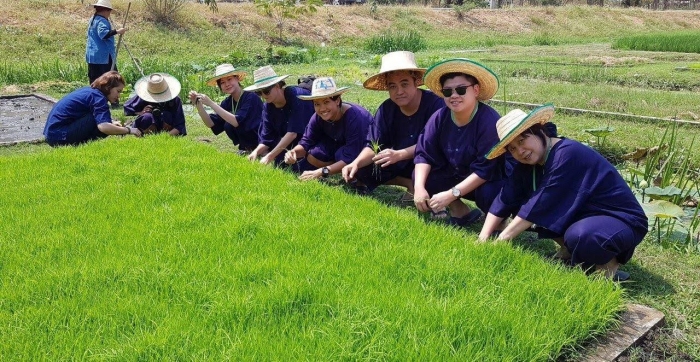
point(461, 90)
point(265, 91)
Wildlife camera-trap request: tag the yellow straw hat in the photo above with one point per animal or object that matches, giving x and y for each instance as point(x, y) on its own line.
point(324, 87)
point(488, 81)
point(392, 62)
point(264, 77)
point(225, 70)
point(157, 87)
point(516, 122)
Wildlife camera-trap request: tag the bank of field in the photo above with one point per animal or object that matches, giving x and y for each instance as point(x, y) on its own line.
point(166, 249)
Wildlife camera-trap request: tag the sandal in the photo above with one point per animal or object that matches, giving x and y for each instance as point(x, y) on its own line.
point(406, 198)
point(442, 214)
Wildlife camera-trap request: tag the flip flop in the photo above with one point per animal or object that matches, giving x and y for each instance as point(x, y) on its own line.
point(464, 221)
point(442, 214)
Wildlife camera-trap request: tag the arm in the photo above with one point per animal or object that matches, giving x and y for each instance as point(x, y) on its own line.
point(363, 159)
point(286, 140)
point(112, 129)
point(440, 200)
point(389, 156)
point(260, 150)
point(224, 114)
point(490, 224)
point(517, 226)
point(317, 173)
point(195, 99)
point(420, 195)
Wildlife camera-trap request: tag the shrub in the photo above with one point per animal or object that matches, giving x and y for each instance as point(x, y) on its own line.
point(389, 42)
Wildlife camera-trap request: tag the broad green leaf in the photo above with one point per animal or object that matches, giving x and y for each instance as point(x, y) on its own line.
point(666, 193)
point(600, 132)
point(662, 209)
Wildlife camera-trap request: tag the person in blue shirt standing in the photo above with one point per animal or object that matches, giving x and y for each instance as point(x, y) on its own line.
point(100, 52)
point(83, 115)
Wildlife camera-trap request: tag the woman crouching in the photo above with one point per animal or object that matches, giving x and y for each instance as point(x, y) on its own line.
point(567, 192)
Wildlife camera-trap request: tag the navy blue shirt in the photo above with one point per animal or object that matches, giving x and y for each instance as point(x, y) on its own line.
point(344, 137)
point(171, 112)
point(293, 117)
point(85, 101)
point(248, 111)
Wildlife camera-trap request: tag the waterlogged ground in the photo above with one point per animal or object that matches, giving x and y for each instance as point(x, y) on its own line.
point(22, 118)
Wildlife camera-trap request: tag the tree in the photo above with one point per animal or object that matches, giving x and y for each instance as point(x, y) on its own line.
point(280, 10)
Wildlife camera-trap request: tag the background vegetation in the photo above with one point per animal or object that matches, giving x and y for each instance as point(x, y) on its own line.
point(564, 55)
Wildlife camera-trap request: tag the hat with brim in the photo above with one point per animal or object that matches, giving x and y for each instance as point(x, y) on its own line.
point(157, 87)
point(263, 78)
point(324, 87)
point(393, 62)
point(223, 71)
point(488, 81)
point(103, 4)
point(515, 123)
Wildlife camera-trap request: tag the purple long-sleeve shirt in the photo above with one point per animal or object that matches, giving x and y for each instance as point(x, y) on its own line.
point(293, 117)
point(171, 111)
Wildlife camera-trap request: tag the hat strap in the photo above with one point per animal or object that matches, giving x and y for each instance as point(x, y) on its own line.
point(264, 79)
point(546, 156)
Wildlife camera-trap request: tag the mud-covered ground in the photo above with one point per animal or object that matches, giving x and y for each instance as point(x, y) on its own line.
point(22, 118)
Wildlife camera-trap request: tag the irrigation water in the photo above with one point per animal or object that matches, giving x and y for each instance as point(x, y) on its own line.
point(22, 118)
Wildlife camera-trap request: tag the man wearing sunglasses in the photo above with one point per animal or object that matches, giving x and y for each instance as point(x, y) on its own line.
point(395, 127)
point(451, 162)
point(284, 116)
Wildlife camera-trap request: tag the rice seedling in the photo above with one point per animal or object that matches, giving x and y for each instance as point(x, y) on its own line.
point(388, 42)
point(679, 41)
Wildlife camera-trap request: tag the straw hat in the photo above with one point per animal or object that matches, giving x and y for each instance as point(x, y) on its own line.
point(516, 122)
point(157, 87)
point(488, 81)
point(225, 70)
point(324, 87)
point(103, 4)
point(391, 62)
point(263, 78)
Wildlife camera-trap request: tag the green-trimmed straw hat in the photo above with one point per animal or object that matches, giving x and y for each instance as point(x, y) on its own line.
point(264, 77)
point(516, 122)
point(225, 70)
point(324, 87)
point(488, 81)
point(392, 62)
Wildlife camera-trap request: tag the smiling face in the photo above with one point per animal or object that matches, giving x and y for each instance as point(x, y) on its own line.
point(327, 108)
point(527, 149)
point(114, 93)
point(229, 84)
point(402, 87)
point(460, 103)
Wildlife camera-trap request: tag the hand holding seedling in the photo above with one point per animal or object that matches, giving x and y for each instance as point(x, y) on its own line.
point(387, 157)
point(290, 157)
point(194, 97)
point(440, 200)
point(421, 198)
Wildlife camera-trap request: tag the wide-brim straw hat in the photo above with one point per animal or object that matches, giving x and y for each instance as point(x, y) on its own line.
point(264, 77)
point(488, 81)
point(516, 122)
point(391, 62)
point(103, 4)
point(225, 70)
point(324, 87)
point(157, 87)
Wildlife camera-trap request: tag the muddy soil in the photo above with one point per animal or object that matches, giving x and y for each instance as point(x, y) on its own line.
point(22, 118)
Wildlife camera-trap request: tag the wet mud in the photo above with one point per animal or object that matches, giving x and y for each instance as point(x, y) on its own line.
point(22, 118)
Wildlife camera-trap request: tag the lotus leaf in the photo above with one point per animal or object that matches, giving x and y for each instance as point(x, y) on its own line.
point(666, 193)
point(662, 209)
point(600, 132)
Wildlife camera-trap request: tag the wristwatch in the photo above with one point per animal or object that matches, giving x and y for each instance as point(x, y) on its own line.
point(325, 172)
point(456, 192)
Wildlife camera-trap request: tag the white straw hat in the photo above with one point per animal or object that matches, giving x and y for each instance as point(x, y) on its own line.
point(391, 62)
point(324, 87)
point(488, 81)
point(157, 87)
point(103, 4)
point(225, 70)
point(516, 122)
point(264, 77)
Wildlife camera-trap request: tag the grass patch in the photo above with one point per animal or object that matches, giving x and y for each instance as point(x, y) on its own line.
point(390, 42)
point(680, 41)
point(164, 248)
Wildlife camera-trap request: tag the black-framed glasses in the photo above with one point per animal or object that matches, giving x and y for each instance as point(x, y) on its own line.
point(461, 90)
point(265, 91)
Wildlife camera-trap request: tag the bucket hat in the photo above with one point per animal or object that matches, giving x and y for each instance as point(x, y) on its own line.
point(225, 70)
point(264, 77)
point(488, 81)
point(157, 87)
point(394, 61)
point(516, 122)
point(103, 4)
point(324, 87)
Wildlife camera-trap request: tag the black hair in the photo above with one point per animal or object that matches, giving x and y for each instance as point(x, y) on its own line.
point(542, 131)
point(446, 76)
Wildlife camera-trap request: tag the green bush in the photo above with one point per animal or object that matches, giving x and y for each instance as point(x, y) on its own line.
point(389, 42)
point(682, 41)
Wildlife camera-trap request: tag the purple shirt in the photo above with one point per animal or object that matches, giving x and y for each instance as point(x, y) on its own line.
point(77, 104)
point(345, 137)
point(395, 130)
point(576, 182)
point(293, 117)
point(444, 145)
point(171, 112)
point(248, 111)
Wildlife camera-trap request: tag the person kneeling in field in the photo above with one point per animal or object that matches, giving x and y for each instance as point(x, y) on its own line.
point(284, 116)
point(157, 105)
point(83, 115)
point(567, 192)
point(335, 134)
point(239, 115)
point(391, 140)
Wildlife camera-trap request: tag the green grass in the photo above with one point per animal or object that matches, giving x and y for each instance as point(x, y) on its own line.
point(682, 42)
point(164, 248)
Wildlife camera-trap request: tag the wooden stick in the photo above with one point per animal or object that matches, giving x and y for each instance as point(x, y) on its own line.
point(119, 42)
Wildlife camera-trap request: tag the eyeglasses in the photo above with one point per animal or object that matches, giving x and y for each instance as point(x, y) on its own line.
point(265, 91)
point(461, 90)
